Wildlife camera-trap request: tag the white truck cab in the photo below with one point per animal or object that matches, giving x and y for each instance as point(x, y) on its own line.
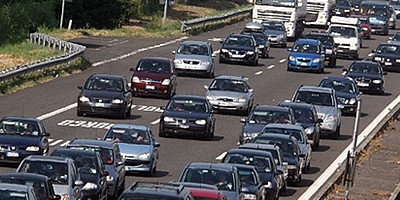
point(346, 35)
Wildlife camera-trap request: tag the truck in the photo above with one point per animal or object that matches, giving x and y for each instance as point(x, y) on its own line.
point(319, 12)
point(346, 35)
point(291, 12)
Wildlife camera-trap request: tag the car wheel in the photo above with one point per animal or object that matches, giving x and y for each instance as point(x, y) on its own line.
point(79, 113)
point(161, 134)
point(255, 62)
point(332, 63)
point(337, 133)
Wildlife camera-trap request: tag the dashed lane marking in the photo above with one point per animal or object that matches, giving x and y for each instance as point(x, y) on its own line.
point(282, 61)
point(271, 66)
point(55, 143)
point(259, 72)
point(220, 157)
point(155, 122)
point(65, 143)
point(56, 112)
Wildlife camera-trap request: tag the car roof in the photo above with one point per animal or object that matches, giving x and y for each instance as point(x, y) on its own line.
point(213, 166)
point(241, 78)
point(365, 62)
point(131, 126)
point(242, 166)
point(250, 151)
point(392, 43)
point(14, 187)
point(271, 108)
point(57, 159)
point(292, 104)
point(240, 35)
point(24, 176)
point(259, 146)
point(21, 118)
point(307, 41)
point(155, 59)
point(91, 142)
point(375, 2)
point(157, 189)
point(74, 152)
point(108, 76)
point(316, 89)
point(284, 126)
point(277, 136)
point(195, 42)
point(185, 96)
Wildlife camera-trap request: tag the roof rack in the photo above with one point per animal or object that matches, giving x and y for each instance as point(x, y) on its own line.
point(345, 20)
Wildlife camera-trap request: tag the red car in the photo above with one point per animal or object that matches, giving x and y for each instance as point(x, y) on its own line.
point(202, 193)
point(364, 25)
point(154, 76)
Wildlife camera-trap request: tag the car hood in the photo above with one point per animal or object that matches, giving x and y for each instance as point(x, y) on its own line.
point(274, 32)
point(238, 48)
point(192, 57)
point(102, 94)
point(185, 115)
point(252, 189)
point(61, 189)
point(224, 94)
point(89, 178)
point(291, 160)
point(264, 176)
point(232, 195)
point(253, 128)
point(363, 75)
point(325, 110)
point(134, 149)
point(152, 75)
point(19, 141)
point(305, 55)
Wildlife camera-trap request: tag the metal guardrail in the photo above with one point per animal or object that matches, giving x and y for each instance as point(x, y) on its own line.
point(205, 21)
point(71, 50)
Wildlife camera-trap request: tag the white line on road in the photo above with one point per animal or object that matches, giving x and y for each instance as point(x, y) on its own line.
point(65, 143)
point(155, 121)
point(259, 72)
point(50, 140)
point(55, 143)
point(271, 66)
point(282, 61)
point(56, 112)
point(220, 157)
point(216, 52)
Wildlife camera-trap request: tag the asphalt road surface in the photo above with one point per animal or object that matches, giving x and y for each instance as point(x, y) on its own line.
point(270, 80)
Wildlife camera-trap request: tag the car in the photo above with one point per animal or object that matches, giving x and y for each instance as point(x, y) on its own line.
point(306, 116)
point(342, 8)
point(225, 177)
point(328, 44)
point(368, 75)
point(388, 56)
point(395, 38)
point(396, 7)
point(150, 190)
point(239, 48)
point(91, 169)
point(379, 15)
point(264, 164)
point(346, 35)
point(195, 57)
point(296, 131)
point(306, 55)
point(16, 191)
point(327, 106)
point(261, 41)
point(61, 171)
point(21, 137)
point(346, 91)
point(292, 156)
point(365, 25)
point(187, 114)
point(138, 146)
point(260, 116)
point(252, 187)
point(392, 18)
point(275, 32)
point(114, 163)
point(230, 93)
point(105, 94)
point(154, 76)
point(41, 184)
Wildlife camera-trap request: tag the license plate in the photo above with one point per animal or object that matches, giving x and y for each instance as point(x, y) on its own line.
point(222, 103)
point(183, 126)
point(150, 87)
point(99, 104)
point(340, 50)
point(12, 154)
point(237, 56)
point(363, 84)
point(303, 64)
point(338, 13)
point(388, 63)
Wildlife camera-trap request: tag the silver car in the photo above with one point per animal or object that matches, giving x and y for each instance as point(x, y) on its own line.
point(195, 57)
point(275, 32)
point(230, 93)
point(326, 104)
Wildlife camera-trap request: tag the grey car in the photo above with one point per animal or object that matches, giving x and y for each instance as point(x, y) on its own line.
point(15, 191)
point(195, 57)
point(326, 103)
point(230, 93)
point(275, 32)
point(138, 147)
point(61, 171)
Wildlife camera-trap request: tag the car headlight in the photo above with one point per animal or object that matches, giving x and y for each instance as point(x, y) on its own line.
point(210, 97)
point(83, 99)
point(241, 100)
point(331, 118)
point(377, 81)
point(224, 50)
point(32, 148)
point(249, 196)
point(364, 28)
point(250, 52)
point(261, 46)
point(377, 58)
point(205, 62)
point(89, 186)
point(251, 135)
point(309, 130)
point(352, 101)
point(166, 81)
point(144, 156)
point(346, 10)
point(177, 61)
point(292, 58)
point(201, 122)
point(110, 178)
point(316, 60)
point(291, 167)
point(135, 79)
point(381, 22)
point(268, 185)
point(398, 60)
point(117, 101)
point(280, 36)
point(168, 119)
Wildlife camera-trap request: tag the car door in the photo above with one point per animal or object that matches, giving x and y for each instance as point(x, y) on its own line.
point(173, 76)
point(103, 179)
point(119, 165)
point(127, 92)
point(155, 148)
point(76, 190)
point(44, 136)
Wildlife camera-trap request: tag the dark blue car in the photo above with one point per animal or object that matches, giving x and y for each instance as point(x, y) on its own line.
point(306, 55)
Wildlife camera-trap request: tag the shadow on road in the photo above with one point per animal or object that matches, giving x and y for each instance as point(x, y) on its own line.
point(288, 192)
point(312, 170)
point(322, 148)
point(158, 174)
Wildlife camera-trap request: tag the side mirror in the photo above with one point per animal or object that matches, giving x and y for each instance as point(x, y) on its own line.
point(289, 49)
point(157, 144)
point(319, 120)
point(132, 69)
point(205, 87)
point(80, 87)
point(173, 52)
point(78, 183)
point(105, 173)
point(340, 106)
point(243, 120)
point(385, 73)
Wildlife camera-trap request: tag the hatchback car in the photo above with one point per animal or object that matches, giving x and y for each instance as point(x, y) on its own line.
point(16, 191)
point(388, 56)
point(261, 41)
point(230, 93)
point(275, 32)
point(149, 190)
point(21, 137)
point(138, 147)
point(195, 57)
point(326, 104)
point(113, 162)
point(365, 26)
point(61, 171)
point(306, 55)
point(252, 187)
point(239, 48)
point(368, 75)
point(328, 43)
point(105, 94)
point(187, 114)
point(154, 76)
point(91, 169)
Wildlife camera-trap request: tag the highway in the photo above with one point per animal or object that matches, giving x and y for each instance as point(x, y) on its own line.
point(270, 80)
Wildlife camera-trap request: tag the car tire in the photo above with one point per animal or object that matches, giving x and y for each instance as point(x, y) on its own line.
point(161, 134)
point(79, 113)
point(337, 133)
point(332, 63)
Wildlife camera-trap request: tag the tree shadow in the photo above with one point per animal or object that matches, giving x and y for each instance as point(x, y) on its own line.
point(288, 192)
point(322, 148)
point(313, 170)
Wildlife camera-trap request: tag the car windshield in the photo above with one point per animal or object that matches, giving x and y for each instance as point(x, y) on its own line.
point(343, 3)
point(325, 40)
point(224, 180)
point(57, 172)
point(247, 177)
point(13, 195)
point(374, 10)
point(229, 85)
point(104, 84)
point(339, 86)
point(19, 127)
point(154, 66)
point(305, 48)
point(106, 154)
point(296, 133)
point(288, 148)
point(273, 26)
point(128, 136)
point(303, 115)
point(261, 163)
point(285, 3)
point(340, 31)
point(388, 49)
point(84, 164)
point(188, 105)
point(267, 117)
point(395, 2)
point(317, 98)
point(239, 41)
point(365, 68)
point(193, 49)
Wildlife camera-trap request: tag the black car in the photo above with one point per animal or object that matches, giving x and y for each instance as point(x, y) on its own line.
point(261, 41)
point(394, 38)
point(148, 190)
point(291, 153)
point(260, 116)
point(91, 169)
point(252, 187)
point(368, 75)
point(343, 8)
point(21, 137)
point(105, 94)
point(187, 114)
point(388, 55)
point(264, 164)
point(239, 48)
point(327, 42)
point(346, 91)
point(40, 183)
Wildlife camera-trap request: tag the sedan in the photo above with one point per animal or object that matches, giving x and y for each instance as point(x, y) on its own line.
point(230, 93)
point(105, 94)
point(187, 114)
point(138, 147)
point(239, 48)
point(154, 76)
point(388, 55)
point(21, 137)
point(275, 32)
point(368, 75)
